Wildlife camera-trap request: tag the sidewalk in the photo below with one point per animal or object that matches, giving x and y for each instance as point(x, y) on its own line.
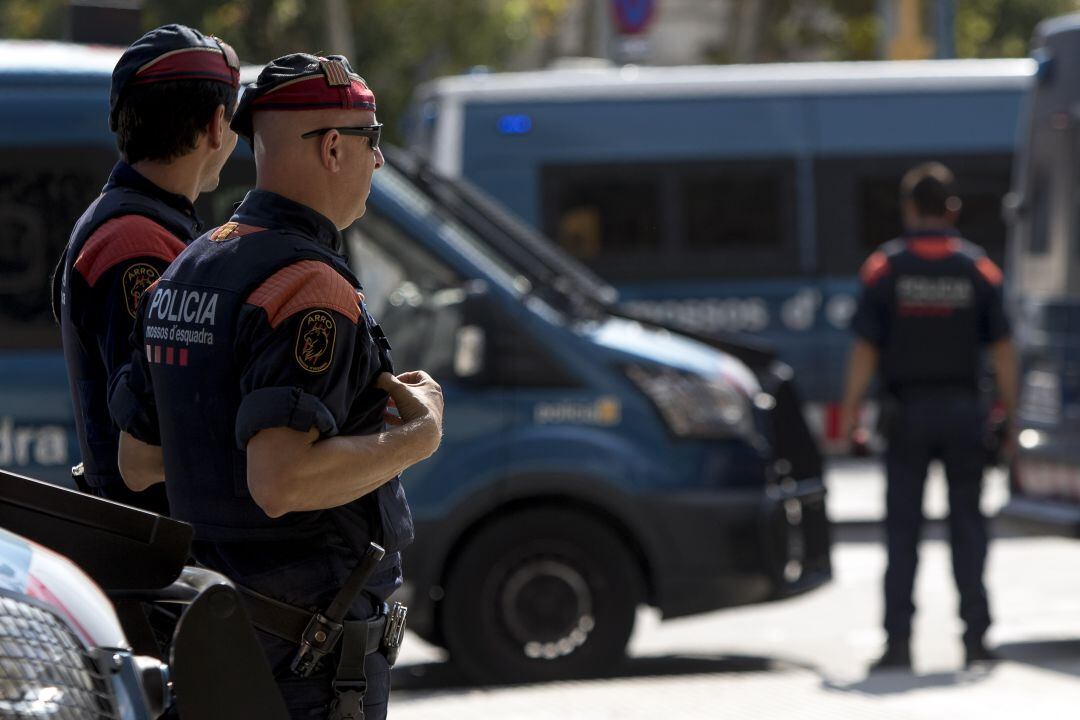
point(857, 491)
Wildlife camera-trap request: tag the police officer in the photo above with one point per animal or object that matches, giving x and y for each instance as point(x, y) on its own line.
point(931, 301)
point(173, 94)
point(265, 380)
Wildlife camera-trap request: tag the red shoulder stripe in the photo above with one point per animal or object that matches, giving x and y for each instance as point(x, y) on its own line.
point(934, 248)
point(304, 285)
point(989, 270)
point(875, 268)
point(125, 238)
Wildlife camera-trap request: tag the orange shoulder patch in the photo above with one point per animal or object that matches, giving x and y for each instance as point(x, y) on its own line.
point(875, 268)
point(125, 238)
point(303, 286)
point(232, 230)
point(989, 270)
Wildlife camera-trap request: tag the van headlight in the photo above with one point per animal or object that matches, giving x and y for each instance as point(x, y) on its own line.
point(694, 406)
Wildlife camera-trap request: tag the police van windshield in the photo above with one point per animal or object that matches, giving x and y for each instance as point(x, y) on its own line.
point(553, 275)
point(392, 182)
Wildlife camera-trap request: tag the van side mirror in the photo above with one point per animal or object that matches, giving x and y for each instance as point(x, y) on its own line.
point(493, 348)
point(471, 348)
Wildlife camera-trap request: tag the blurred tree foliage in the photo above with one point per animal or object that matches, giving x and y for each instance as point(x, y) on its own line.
point(397, 43)
point(1002, 28)
point(32, 18)
point(850, 29)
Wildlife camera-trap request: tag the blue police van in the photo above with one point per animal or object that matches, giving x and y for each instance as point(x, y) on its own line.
point(593, 461)
point(1043, 281)
point(735, 198)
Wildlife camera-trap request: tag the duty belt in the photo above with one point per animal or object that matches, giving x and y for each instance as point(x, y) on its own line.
point(290, 623)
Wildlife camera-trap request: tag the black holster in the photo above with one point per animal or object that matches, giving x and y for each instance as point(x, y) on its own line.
point(350, 680)
point(324, 633)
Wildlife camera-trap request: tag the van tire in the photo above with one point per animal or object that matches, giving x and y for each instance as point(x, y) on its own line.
point(539, 595)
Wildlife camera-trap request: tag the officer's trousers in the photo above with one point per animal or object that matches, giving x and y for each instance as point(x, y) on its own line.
point(948, 425)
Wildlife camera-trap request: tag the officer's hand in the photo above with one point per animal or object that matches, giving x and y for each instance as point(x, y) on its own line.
point(859, 442)
point(416, 395)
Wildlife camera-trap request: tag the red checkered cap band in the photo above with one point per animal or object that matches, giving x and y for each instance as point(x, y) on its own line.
point(198, 63)
point(314, 92)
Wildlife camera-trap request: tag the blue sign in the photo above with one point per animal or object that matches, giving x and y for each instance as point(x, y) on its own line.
point(632, 17)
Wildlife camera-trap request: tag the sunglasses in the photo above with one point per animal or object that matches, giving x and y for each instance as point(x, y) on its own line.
point(371, 132)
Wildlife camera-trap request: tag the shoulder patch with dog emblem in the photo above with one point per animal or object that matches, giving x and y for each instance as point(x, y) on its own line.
point(136, 280)
point(315, 341)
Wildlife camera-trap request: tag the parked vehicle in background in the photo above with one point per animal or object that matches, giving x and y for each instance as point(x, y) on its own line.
point(732, 198)
point(591, 462)
point(1043, 278)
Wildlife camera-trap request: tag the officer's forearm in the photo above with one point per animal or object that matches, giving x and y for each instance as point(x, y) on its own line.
point(141, 464)
point(290, 471)
point(1006, 374)
point(861, 366)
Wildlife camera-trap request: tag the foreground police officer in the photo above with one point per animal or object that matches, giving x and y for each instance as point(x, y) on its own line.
point(269, 381)
point(931, 301)
point(173, 94)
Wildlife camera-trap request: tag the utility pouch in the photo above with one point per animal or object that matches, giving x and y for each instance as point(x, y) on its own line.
point(395, 632)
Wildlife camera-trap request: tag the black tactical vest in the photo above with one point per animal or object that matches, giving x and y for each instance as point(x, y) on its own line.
point(87, 376)
point(191, 325)
point(934, 311)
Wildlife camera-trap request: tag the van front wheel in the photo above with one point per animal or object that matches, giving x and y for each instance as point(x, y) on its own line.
point(539, 595)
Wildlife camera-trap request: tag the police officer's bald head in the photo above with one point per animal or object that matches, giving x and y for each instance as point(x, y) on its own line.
point(311, 122)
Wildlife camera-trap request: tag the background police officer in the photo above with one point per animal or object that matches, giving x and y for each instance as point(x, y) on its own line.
point(931, 301)
point(173, 94)
point(266, 380)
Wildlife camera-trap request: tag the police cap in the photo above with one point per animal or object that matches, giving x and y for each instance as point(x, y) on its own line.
point(302, 82)
point(168, 53)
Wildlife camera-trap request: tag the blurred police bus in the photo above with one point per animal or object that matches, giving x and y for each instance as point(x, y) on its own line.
point(591, 463)
point(733, 198)
point(1044, 284)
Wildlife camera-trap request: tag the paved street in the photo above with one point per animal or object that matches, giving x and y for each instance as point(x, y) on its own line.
point(807, 657)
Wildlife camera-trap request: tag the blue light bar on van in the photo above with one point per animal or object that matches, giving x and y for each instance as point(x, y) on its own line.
point(514, 124)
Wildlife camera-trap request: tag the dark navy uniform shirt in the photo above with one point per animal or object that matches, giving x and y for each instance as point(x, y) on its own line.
point(104, 275)
point(930, 302)
point(260, 324)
